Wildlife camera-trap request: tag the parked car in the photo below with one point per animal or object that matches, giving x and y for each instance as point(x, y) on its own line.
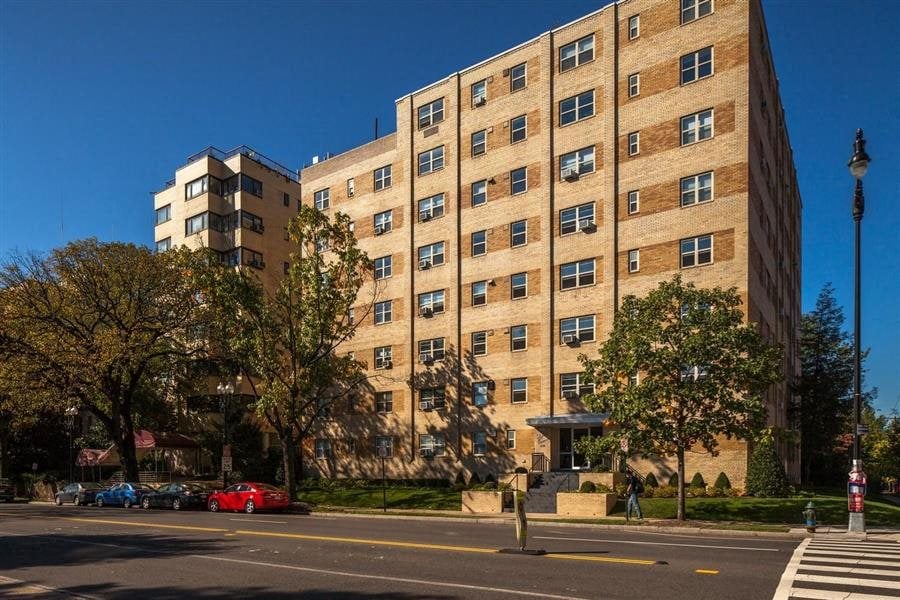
point(89, 495)
point(123, 494)
point(249, 497)
point(73, 492)
point(7, 491)
point(176, 496)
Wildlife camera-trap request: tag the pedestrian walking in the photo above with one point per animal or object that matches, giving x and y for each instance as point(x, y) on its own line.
point(635, 487)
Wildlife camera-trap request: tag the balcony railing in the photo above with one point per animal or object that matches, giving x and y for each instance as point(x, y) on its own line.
point(222, 156)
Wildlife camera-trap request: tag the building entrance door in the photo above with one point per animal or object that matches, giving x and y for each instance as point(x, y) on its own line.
point(569, 458)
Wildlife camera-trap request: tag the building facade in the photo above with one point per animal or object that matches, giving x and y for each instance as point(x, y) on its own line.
point(522, 198)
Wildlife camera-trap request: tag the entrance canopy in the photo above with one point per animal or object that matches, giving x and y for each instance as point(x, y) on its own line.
point(568, 419)
point(143, 441)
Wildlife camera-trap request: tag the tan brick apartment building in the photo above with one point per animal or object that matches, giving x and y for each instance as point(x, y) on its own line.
point(520, 199)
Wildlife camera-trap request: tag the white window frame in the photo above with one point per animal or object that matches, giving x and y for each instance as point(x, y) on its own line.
point(196, 223)
point(521, 288)
point(693, 70)
point(582, 160)
point(693, 373)
point(634, 27)
point(385, 220)
point(479, 443)
point(430, 114)
point(479, 340)
point(482, 194)
point(518, 336)
point(436, 396)
point(513, 181)
point(164, 245)
point(434, 347)
point(566, 384)
point(577, 108)
point(578, 326)
point(570, 217)
point(479, 94)
point(634, 143)
point(384, 402)
point(513, 233)
point(690, 10)
point(433, 300)
point(583, 273)
point(383, 266)
point(383, 356)
point(697, 189)
point(690, 248)
point(510, 439)
point(479, 143)
point(479, 293)
point(480, 390)
point(515, 77)
point(634, 202)
point(166, 212)
point(431, 207)
point(384, 312)
point(431, 160)
point(515, 127)
point(479, 248)
point(386, 442)
point(383, 177)
point(351, 187)
point(634, 85)
point(575, 53)
point(693, 128)
point(323, 448)
point(322, 199)
point(434, 442)
point(432, 252)
point(634, 261)
point(523, 390)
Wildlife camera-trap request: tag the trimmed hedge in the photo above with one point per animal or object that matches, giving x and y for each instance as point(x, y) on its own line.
point(588, 487)
point(765, 473)
point(651, 481)
point(347, 483)
point(697, 481)
point(673, 480)
point(722, 482)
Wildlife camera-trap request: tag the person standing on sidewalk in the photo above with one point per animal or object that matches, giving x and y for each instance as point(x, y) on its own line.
point(634, 488)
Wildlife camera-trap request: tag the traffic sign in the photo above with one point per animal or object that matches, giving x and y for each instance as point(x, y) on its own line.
point(623, 444)
point(226, 450)
point(226, 464)
point(862, 429)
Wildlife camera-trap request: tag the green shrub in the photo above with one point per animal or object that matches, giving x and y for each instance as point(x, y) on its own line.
point(734, 492)
point(603, 488)
point(673, 480)
point(489, 485)
point(715, 492)
point(722, 482)
point(695, 491)
point(765, 472)
point(474, 480)
point(621, 490)
point(650, 481)
point(665, 491)
point(489, 478)
point(697, 481)
point(460, 478)
point(588, 487)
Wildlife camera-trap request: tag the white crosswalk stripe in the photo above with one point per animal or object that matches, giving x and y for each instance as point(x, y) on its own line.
point(835, 569)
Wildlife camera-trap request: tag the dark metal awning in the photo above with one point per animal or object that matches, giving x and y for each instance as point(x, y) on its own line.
point(569, 419)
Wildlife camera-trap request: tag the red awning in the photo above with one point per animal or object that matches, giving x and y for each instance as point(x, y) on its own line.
point(144, 439)
point(91, 457)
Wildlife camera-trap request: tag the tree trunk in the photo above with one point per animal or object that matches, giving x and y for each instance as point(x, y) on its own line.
point(127, 452)
point(287, 454)
point(681, 484)
point(301, 472)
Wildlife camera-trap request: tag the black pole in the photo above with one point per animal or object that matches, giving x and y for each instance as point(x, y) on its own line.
point(225, 402)
point(71, 460)
point(858, 209)
point(383, 487)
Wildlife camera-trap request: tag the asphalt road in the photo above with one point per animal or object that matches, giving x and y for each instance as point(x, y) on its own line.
point(118, 553)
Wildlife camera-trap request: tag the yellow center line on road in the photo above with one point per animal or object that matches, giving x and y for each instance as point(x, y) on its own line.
point(138, 524)
point(706, 571)
point(605, 559)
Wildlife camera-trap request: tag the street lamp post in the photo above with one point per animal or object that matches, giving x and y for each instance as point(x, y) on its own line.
point(71, 413)
point(859, 164)
point(225, 389)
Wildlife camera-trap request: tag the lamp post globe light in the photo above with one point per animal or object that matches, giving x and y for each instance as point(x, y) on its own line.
point(858, 164)
point(225, 389)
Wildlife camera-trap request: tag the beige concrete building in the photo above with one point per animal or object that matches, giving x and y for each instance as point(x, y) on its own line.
point(521, 198)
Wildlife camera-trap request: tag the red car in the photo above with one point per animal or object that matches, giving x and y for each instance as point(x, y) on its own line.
point(248, 497)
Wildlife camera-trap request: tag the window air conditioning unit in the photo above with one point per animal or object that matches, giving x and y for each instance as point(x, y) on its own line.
point(379, 229)
point(426, 358)
point(570, 395)
point(426, 405)
point(424, 264)
point(586, 225)
point(480, 101)
point(570, 173)
point(426, 452)
point(424, 216)
point(570, 339)
point(426, 311)
point(386, 364)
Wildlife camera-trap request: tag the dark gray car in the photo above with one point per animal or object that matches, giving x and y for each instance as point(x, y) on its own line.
point(76, 492)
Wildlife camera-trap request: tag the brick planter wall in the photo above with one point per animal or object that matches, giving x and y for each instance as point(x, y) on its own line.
point(478, 501)
point(573, 504)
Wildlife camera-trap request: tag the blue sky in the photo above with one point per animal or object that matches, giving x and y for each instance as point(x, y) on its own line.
point(99, 102)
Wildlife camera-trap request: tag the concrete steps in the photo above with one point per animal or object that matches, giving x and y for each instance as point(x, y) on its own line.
point(541, 496)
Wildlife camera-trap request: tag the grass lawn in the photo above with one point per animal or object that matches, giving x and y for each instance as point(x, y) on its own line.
point(397, 497)
point(831, 509)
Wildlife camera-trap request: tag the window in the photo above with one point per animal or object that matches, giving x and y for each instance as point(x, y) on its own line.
point(479, 142)
point(518, 285)
point(580, 327)
point(351, 316)
point(634, 261)
point(287, 234)
point(480, 393)
point(634, 202)
point(576, 108)
point(383, 267)
point(286, 199)
point(571, 385)
point(432, 444)
point(196, 224)
point(479, 443)
point(163, 214)
point(251, 221)
point(384, 221)
point(634, 379)
point(518, 129)
point(479, 193)
point(518, 233)
point(432, 113)
point(479, 92)
point(322, 199)
point(323, 448)
point(634, 143)
point(383, 356)
point(431, 160)
point(384, 402)
point(579, 162)
point(634, 27)
point(383, 178)
point(518, 390)
point(432, 398)
point(697, 127)
point(576, 53)
point(569, 218)
point(511, 439)
point(433, 348)
point(693, 373)
point(576, 274)
point(164, 245)
point(204, 184)
point(697, 189)
point(321, 245)
point(384, 446)
point(431, 208)
point(691, 10)
point(351, 187)
point(518, 180)
point(518, 338)
point(432, 301)
point(479, 243)
point(518, 77)
point(634, 85)
point(479, 293)
point(696, 65)
point(479, 343)
point(431, 255)
point(383, 312)
point(286, 267)
point(696, 251)
point(251, 186)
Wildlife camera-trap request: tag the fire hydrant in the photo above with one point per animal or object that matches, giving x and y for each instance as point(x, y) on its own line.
point(810, 515)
